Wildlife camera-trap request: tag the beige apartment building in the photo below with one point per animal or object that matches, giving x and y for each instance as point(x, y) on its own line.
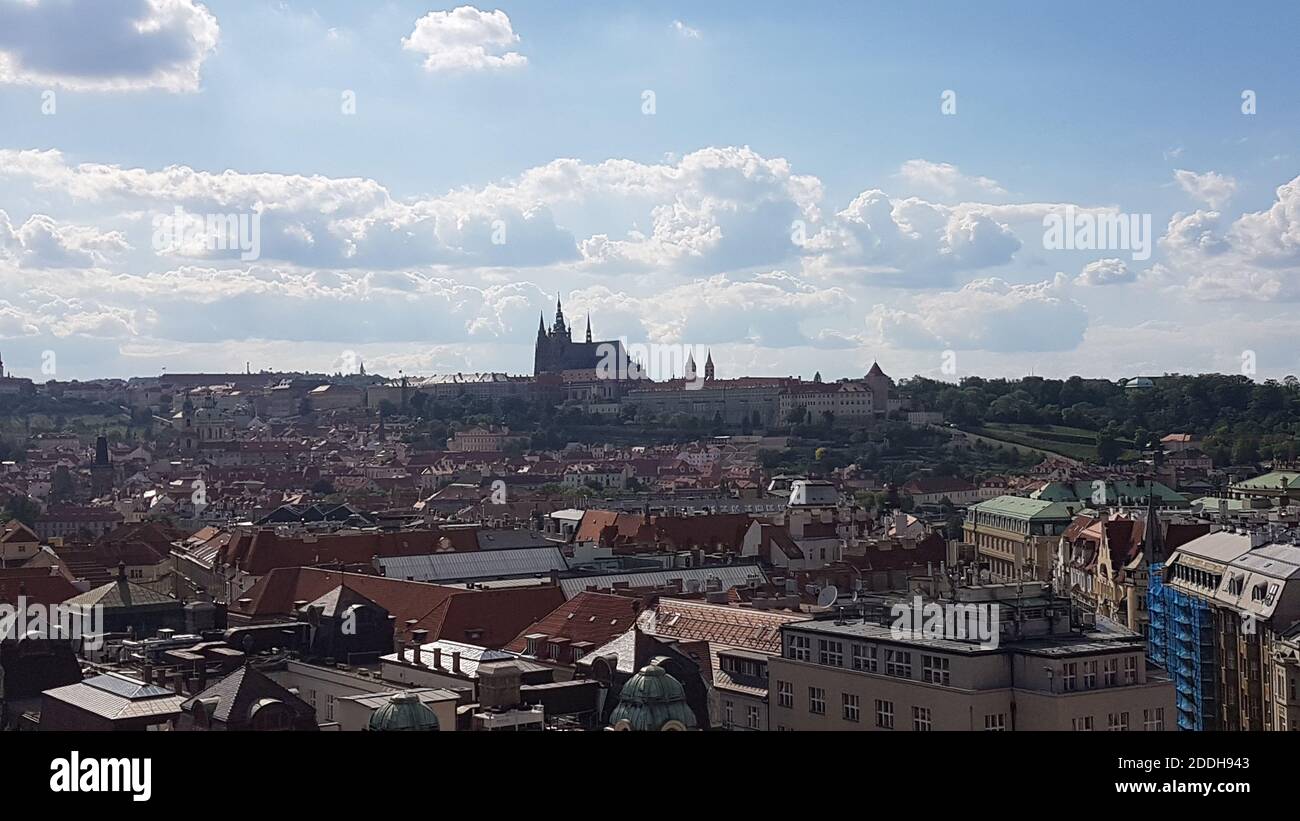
point(1016, 537)
point(861, 673)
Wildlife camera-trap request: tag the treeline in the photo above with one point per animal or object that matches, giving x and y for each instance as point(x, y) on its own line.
point(1241, 420)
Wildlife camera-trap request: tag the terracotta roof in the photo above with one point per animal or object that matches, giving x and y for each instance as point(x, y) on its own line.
point(446, 612)
point(491, 617)
point(264, 550)
point(593, 617)
point(36, 584)
point(614, 529)
point(720, 625)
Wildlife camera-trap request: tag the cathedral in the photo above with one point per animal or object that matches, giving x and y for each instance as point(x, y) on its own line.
point(556, 351)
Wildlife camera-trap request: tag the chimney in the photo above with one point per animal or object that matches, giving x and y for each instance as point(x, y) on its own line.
point(437, 658)
point(455, 661)
point(178, 683)
point(418, 638)
point(146, 673)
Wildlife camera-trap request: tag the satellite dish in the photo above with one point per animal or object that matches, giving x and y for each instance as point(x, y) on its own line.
point(828, 596)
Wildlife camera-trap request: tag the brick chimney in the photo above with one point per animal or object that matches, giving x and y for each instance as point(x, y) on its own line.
point(418, 638)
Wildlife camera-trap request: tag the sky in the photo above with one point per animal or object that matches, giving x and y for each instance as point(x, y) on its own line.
point(797, 188)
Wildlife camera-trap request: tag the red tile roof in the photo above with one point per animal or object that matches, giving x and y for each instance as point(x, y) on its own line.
point(758, 630)
point(260, 552)
point(36, 584)
point(595, 617)
point(446, 612)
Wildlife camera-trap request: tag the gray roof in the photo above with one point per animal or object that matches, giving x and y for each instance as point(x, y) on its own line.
point(472, 656)
point(731, 575)
point(482, 564)
point(427, 695)
point(117, 697)
point(1223, 546)
point(122, 594)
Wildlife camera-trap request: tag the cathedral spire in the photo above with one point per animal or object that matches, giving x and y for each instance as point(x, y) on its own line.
point(588, 326)
point(708, 367)
point(559, 326)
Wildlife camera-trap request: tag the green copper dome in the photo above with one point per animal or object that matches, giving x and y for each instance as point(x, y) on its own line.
point(405, 712)
point(652, 700)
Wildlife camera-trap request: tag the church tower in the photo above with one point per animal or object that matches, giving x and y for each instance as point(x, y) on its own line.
point(708, 368)
point(101, 471)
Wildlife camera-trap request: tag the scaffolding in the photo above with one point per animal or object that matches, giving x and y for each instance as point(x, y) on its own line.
point(1180, 638)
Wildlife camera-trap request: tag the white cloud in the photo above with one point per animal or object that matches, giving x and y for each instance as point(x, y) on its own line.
point(1108, 271)
point(42, 242)
point(945, 180)
point(987, 315)
point(911, 242)
point(93, 45)
point(465, 39)
point(1256, 257)
point(1211, 188)
point(685, 30)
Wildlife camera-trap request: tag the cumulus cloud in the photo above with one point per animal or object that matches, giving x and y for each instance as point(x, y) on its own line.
point(1255, 257)
point(92, 45)
point(911, 242)
point(465, 39)
point(1211, 188)
point(946, 181)
point(42, 242)
point(1109, 271)
point(987, 315)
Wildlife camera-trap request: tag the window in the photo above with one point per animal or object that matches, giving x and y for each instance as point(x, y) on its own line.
point(1153, 720)
point(864, 658)
point(852, 708)
point(830, 653)
point(784, 694)
point(898, 663)
point(817, 701)
point(995, 722)
point(1070, 677)
point(1083, 724)
point(329, 708)
point(1117, 721)
point(1089, 675)
point(934, 669)
point(1109, 672)
point(885, 714)
point(1130, 669)
point(751, 717)
point(728, 717)
point(801, 648)
point(921, 719)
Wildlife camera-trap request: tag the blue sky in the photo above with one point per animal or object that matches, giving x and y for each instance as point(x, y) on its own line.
point(922, 232)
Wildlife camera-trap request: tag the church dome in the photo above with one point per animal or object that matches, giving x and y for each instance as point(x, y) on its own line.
point(404, 712)
point(652, 700)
